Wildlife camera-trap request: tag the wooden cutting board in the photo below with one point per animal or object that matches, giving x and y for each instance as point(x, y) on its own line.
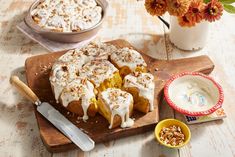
point(37, 74)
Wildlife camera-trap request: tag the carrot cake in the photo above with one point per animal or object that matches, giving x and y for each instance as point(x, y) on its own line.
point(79, 97)
point(128, 60)
point(141, 86)
point(116, 106)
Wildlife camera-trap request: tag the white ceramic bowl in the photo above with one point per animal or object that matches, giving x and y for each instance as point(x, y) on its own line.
point(193, 94)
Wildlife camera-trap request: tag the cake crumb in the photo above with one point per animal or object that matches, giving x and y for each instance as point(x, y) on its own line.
point(77, 122)
point(79, 118)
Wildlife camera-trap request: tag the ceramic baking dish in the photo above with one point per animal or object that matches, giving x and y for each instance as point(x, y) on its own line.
point(68, 37)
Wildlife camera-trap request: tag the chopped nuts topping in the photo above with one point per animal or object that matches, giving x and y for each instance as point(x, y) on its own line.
point(136, 74)
point(172, 135)
point(64, 68)
point(113, 95)
point(83, 81)
point(128, 58)
point(115, 107)
point(116, 97)
point(77, 73)
point(86, 52)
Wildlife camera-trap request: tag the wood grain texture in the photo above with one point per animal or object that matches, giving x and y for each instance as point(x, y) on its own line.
point(37, 74)
point(126, 19)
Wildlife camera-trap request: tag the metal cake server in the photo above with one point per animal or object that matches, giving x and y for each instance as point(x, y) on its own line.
point(79, 138)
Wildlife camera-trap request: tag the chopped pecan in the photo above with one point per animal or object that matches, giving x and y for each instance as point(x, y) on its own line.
point(172, 135)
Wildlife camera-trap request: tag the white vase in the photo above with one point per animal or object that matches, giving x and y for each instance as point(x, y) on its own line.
point(188, 38)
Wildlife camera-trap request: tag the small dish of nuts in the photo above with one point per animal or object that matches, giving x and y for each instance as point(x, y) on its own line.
point(172, 133)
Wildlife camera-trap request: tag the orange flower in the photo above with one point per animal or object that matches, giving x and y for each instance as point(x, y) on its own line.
point(185, 21)
point(195, 11)
point(156, 7)
point(177, 7)
point(213, 11)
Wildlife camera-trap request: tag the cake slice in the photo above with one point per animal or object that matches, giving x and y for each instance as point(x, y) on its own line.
point(141, 86)
point(102, 74)
point(116, 106)
point(79, 97)
point(60, 75)
point(128, 60)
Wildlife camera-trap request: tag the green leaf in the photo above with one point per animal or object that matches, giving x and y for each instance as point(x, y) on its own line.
point(227, 1)
point(229, 8)
point(207, 1)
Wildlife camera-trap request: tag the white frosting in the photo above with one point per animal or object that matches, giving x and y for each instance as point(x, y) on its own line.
point(128, 57)
point(89, 52)
point(90, 3)
point(97, 71)
point(98, 50)
point(118, 102)
point(75, 56)
point(67, 15)
point(74, 60)
point(61, 74)
point(144, 82)
point(78, 89)
point(193, 93)
point(91, 63)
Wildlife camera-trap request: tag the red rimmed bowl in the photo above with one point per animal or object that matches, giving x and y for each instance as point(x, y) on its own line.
point(193, 94)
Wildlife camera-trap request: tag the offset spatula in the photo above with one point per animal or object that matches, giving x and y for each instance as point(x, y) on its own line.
point(79, 138)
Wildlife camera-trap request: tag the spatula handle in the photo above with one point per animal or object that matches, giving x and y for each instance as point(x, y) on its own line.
point(24, 90)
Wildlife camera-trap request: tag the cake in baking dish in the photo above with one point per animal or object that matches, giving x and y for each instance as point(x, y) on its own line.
point(128, 60)
point(102, 74)
point(116, 106)
point(67, 15)
point(79, 97)
point(141, 86)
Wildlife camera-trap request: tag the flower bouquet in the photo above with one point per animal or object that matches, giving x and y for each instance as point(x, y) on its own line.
point(189, 18)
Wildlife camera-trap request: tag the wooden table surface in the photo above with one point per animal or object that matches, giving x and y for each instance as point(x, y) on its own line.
point(127, 19)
